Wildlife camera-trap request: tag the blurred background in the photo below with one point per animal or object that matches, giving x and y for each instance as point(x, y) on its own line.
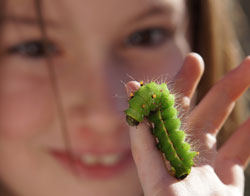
point(245, 6)
point(244, 34)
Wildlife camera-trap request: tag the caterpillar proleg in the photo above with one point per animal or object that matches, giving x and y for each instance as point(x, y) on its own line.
point(155, 102)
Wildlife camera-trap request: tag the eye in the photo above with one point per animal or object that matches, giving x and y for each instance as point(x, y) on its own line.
point(34, 49)
point(149, 37)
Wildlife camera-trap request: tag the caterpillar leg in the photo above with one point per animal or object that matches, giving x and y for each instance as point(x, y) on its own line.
point(152, 130)
point(172, 172)
point(158, 145)
point(151, 127)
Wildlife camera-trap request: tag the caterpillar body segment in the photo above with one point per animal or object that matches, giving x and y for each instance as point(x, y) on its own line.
point(155, 102)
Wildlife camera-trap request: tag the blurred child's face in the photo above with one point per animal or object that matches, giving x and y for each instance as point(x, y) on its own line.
point(94, 45)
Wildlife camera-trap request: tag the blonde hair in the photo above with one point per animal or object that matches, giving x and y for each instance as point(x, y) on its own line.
point(216, 41)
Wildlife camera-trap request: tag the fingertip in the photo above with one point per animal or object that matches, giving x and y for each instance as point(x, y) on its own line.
point(197, 60)
point(196, 55)
point(132, 86)
point(247, 59)
point(195, 63)
point(191, 72)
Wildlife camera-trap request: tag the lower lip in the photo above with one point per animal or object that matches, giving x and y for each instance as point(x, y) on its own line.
point(94, 171)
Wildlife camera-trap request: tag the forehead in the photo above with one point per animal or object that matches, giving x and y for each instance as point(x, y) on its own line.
point(93, 9)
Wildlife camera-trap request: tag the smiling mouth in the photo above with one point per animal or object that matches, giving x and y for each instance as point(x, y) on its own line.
point(95, 165)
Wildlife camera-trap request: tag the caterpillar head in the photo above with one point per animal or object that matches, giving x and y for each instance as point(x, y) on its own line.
point(182, 177)
point(131, 121)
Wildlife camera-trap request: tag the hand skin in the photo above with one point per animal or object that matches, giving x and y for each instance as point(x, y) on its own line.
point(223, 172)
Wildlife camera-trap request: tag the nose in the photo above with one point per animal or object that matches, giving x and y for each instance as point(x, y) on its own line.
point(89, 106)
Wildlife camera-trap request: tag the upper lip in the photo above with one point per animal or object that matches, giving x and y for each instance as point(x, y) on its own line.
point(93, 145)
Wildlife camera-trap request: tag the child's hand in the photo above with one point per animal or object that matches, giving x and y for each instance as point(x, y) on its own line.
point(222, 174)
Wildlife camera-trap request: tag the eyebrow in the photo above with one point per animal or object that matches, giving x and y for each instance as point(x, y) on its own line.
point(30, 21)
point(155, 10)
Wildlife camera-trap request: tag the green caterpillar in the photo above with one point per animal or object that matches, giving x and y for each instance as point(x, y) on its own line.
point(156, 103)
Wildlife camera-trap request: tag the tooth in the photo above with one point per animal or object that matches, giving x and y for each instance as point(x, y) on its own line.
point(89, 159)
point(110, 159)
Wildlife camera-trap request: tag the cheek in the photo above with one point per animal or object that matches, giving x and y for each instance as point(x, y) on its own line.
point(175, 59)
point(26, 106)
point(160, 63)
point(176, 51)
point(174, 56)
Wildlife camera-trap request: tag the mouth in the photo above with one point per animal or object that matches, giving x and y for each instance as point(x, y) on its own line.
point(92, 165)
